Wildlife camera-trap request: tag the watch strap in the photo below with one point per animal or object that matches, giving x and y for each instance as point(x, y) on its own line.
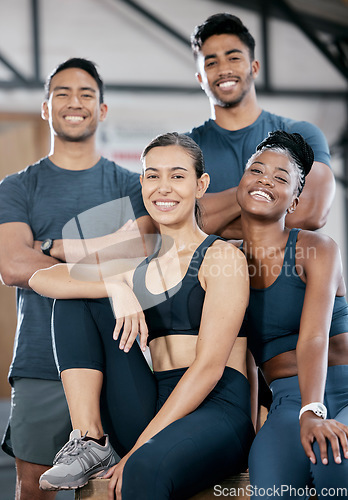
point(317, 408)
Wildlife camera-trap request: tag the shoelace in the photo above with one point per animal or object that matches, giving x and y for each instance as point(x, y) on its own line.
point(71, 448)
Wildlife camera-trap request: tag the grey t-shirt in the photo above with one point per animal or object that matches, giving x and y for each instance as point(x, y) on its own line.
point(52, 201)
point(226, 152)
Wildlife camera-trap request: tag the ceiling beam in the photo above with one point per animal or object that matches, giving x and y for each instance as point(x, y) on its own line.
point(19, 77)
point(296, 19)
point(265, 7)
point(36, 39)
point(334, 94)
point(317, 22)
point(157, 21)
point(265, 45)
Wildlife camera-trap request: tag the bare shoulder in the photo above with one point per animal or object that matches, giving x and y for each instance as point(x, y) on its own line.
point(319, 256)
point(321, 243)
point(225, 260)
point(222, 249)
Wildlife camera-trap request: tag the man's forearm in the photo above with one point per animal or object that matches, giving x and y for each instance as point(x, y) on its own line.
point(219, 210)
point(20, 269)
point(315, 200)
point(233, 231)
point(134, 239)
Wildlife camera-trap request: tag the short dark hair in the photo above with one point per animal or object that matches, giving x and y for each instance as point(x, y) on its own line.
point(191, 148)
point(81, 63)
point(220, 24)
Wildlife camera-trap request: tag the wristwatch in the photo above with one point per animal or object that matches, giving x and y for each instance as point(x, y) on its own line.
point(46, 246)
point(317, 408)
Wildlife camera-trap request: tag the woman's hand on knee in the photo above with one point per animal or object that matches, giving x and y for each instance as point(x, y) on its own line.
point(314, 428)
point(115, 485)
point(129, 316)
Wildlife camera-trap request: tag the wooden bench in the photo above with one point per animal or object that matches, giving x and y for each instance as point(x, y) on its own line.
point(236, 488)
point(96, 489)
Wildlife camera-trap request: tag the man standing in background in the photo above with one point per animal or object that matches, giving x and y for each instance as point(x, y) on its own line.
point(35, 204)
point(224, 52)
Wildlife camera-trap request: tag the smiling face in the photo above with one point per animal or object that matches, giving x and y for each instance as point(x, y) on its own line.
point(225, 70)
point(170, 186)
point(269, 185)
point(73, 109)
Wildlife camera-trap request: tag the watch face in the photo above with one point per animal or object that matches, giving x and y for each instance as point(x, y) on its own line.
point(47, 245)
point(320, 411)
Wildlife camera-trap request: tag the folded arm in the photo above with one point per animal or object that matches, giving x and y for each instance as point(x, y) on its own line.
point(132, 239)
point(315, 200)
point(221, 214)
point(18, 259)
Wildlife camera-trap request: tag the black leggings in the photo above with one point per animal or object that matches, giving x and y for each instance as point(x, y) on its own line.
point(189, 455)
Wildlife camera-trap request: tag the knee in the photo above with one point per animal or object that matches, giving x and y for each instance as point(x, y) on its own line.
point(257, 451)
point(139, 469)
point(143, 478)
point(27, 481)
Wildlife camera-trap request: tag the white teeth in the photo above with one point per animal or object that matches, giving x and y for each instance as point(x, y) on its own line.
point(74, 118)
point(226, 85)
point(262, 193)
point(165, 203)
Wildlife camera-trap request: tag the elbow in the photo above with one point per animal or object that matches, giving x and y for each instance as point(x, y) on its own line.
point(315, 223)
point(218, 375)
point(9, 275)
point(312, 221)
point(316, 344)
point(316, 220)
point(35, 282)
point(213, 373)
point(31, 281)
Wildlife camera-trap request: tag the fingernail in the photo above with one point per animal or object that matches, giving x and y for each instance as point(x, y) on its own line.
point(312, 460)
point(338, 460)
point(121, 346)
point(325, 462)
point(126, 349)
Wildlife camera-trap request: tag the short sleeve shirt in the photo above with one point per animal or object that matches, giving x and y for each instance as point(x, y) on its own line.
point(56, 202)
point(226, 152)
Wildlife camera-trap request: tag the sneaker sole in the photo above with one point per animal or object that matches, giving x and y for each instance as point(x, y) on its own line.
point(47, 486)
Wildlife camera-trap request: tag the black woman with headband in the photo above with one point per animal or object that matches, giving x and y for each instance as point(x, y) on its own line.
point(297, 324)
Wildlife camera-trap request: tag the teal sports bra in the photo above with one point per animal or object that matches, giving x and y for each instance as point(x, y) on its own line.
point(272, 320)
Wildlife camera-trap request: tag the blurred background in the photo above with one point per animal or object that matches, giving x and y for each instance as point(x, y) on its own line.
point(143, 54)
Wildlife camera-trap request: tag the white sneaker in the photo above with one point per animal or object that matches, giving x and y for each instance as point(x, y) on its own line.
point(78, 461)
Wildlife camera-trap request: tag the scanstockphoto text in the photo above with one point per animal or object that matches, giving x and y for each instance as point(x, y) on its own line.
point(284, 490)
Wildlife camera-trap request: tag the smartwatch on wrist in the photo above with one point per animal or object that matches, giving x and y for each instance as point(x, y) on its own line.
point(46, 246)
point(317, 408)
